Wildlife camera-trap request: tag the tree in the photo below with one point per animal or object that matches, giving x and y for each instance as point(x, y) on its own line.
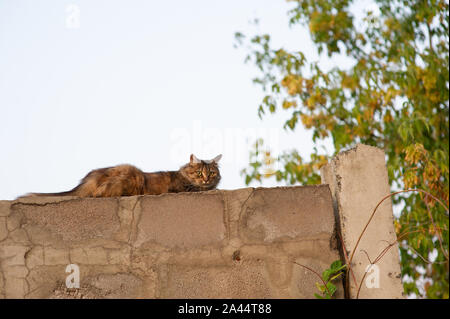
point(394, 96)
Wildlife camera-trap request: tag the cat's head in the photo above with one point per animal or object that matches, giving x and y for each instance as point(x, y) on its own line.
point(202, 173)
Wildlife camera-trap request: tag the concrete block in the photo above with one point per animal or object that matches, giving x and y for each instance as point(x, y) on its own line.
point(119, 256)
point(246, 280)
point(89, 256)
point(185, 220)
point(15, 271)
point(19, 236)
point(42, 280)
point(287, 213)
point(15, 288)
point(12, 255)
point(74, 220)
point(115, 286)
point(54, 256)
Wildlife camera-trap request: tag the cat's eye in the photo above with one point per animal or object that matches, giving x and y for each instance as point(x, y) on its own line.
point(199, 173)
point(212, 173)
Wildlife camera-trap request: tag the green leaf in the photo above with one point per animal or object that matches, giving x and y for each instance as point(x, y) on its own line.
point(336, 265)
point(326, 274)
point(331, 288)
point(320, 287)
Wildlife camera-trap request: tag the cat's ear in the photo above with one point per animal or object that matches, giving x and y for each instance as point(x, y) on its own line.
point(217, 158)
point(194, 160)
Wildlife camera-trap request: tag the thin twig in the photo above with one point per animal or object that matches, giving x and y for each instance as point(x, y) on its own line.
point(360, 284)
point(367, 255)
point(317, 274)
point(346, 257)
point(424, 259)
point(435, 229)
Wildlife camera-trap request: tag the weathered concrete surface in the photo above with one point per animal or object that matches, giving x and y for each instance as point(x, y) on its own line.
point(217, 244)
point(358, 181)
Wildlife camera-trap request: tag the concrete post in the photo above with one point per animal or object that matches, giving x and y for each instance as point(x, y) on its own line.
point(358, 181)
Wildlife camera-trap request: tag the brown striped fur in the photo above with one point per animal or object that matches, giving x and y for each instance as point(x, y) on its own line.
point(128, 180)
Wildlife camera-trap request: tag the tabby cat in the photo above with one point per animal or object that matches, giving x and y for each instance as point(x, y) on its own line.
point(128, 180)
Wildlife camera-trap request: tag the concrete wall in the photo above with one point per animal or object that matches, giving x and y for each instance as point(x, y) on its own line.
point(358, 181)
point(217, 244)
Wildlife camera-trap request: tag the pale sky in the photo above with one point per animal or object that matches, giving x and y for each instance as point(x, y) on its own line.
point(139, 82)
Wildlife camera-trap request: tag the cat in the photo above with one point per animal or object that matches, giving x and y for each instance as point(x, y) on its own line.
point(127, 180)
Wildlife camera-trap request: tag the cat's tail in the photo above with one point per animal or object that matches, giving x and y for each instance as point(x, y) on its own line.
point(72, 192)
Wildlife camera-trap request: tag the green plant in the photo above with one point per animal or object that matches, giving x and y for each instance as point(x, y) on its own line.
point(329, 275)
point(327, 288)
